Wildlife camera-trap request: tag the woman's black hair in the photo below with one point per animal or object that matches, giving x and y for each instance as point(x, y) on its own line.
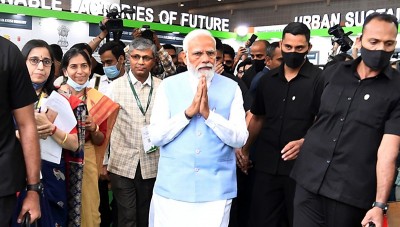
point(48, 87)
point(72, 53)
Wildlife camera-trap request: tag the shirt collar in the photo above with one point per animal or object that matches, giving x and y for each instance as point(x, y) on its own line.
point(134, 80)
point(305, 69)
point(104, 78)
point(387, 71)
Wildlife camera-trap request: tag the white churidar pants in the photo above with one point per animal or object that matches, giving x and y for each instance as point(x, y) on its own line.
point(172, 213)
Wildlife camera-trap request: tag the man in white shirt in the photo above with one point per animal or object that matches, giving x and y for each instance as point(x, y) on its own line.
point(197, 120)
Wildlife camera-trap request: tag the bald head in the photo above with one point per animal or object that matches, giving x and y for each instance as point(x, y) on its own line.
point(258, 50)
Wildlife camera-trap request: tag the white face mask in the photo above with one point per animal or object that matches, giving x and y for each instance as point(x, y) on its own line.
point(75, 85)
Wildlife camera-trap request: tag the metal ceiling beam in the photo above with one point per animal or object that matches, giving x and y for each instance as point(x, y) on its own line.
point(247, 5)
point(153, 3)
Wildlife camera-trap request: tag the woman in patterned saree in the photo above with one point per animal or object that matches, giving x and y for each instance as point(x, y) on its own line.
point(95, 114)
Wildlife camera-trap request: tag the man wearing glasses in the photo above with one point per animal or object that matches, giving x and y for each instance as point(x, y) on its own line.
point(133, 162)
point(197, 120)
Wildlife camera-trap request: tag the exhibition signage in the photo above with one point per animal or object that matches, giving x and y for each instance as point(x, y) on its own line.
point(15, 21)
point(138, 13)
point(350, 19)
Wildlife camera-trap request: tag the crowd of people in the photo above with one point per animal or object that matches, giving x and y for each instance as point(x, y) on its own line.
point(200, 137)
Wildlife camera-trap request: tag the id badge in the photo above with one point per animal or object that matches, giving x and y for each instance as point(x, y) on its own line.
point(147, 145)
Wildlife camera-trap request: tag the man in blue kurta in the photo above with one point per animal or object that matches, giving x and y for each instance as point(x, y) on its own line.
point(197, 120)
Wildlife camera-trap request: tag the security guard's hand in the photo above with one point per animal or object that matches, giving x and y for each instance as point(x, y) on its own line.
point(374, 215)
point(292, 149)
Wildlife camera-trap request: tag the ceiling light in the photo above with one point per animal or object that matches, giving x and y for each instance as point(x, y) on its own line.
point(242, 30)
point(181, 4)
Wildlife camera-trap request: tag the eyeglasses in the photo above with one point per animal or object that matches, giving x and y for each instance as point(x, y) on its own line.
point(46, 62)
point(145, 58)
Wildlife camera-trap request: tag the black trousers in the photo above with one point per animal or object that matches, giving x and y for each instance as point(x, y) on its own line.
point(272, 200)
point(7, 208)
point(133, 198)
point(240, 209)
point(314, 210)
point(104, 209)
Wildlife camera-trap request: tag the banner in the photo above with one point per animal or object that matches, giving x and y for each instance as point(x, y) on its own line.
point(15, 21)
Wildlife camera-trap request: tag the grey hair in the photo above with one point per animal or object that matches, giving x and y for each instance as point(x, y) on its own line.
point(140, 43)
point(194, 34)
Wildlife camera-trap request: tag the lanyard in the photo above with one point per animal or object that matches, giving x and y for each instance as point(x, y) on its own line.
point(137, 98)
point(40, 96)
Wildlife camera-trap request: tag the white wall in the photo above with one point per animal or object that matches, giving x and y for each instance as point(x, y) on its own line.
point(51, 31)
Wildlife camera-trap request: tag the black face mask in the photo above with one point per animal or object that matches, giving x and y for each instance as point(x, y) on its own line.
point(376, 59)
point(258, 64)
point(228, 69)
point(293, 59)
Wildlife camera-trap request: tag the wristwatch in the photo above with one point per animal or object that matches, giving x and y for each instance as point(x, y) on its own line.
point(383, 206)
point(35, 187)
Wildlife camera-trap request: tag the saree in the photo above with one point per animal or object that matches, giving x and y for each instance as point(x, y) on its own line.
point(104, 112)
point(101, 108)
point(74, 163)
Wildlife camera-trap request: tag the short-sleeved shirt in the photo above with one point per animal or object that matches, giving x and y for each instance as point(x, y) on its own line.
point(339, 155)
point(290, 109)
point(16, 91)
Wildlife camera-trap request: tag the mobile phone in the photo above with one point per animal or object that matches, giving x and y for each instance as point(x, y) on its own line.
point(145, 27)
point(252, 39)
point(147, 33)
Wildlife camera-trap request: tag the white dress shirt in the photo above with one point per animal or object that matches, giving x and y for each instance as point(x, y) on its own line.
point(104, 84)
